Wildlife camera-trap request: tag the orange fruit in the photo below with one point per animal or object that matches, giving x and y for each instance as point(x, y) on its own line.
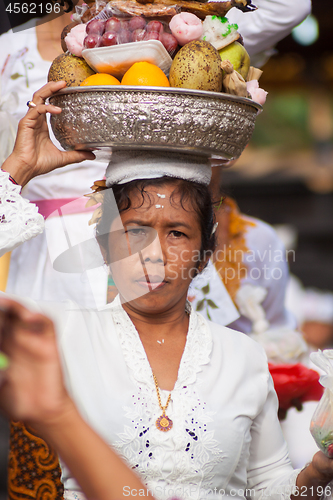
point(145, 73)
point(100, 79)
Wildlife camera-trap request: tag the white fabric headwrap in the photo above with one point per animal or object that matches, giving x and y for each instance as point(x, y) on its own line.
point(126, 166)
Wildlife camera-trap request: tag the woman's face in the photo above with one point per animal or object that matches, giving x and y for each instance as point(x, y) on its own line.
point(155, 254)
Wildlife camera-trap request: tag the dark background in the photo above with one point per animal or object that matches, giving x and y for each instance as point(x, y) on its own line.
point(274, 197)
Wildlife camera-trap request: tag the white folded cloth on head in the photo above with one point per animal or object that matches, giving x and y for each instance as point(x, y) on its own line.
point(126, 166)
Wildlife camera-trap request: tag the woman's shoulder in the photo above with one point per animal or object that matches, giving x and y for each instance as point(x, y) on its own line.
point(237, 345)
point(241, 363)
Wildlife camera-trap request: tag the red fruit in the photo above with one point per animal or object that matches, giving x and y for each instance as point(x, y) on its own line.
point(124, 36)
point(109, 39)
point(156, 26)
point(113, 24)
point(137, 22)
point(95, 27)
point(330, 450)
point(138, 35)
point(92, 41)
point(152, 35)
point(169, 42)
point(124, 24)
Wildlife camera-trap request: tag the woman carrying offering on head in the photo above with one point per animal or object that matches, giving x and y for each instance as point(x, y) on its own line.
point(188, 404)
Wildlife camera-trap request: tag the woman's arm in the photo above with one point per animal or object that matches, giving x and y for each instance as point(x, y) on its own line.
point(34, 153)
point(33, 391)
point(266, 26)
point(19, 219)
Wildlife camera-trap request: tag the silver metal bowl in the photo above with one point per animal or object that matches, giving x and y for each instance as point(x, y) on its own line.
point(106, 118)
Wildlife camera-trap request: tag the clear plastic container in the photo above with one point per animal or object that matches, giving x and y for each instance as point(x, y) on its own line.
point(321, 426)
point(117, 59)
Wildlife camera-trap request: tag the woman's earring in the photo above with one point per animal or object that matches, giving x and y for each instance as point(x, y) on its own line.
point(200, 267)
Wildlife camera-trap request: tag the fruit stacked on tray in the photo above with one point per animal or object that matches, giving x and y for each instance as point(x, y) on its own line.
point(187, 44)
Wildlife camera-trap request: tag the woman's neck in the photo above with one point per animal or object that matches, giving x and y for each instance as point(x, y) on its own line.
point(48, 31)
point(166, 323)
point(163, 337)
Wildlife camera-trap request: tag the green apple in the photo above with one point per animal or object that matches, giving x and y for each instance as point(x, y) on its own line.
point(238, 56)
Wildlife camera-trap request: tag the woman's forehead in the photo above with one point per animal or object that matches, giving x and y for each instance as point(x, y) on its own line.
point(157, 206)
point(165, 194)
point(161, 199)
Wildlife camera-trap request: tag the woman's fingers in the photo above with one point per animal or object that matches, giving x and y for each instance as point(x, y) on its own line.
point(32, 386)
point(38, 106)
point(323, 465)
point(46, 91)
point(77, 156)
point(42, 109)
point(13, 313)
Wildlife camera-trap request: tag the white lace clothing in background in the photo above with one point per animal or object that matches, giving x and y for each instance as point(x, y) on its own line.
point(19, 219)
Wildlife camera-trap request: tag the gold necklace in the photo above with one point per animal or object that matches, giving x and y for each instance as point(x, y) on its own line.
point(163, 423)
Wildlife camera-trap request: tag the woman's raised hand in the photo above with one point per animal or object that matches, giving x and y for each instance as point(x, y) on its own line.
point(34, 153)
point(32, 387)
point(313, 479)
point(32, 391)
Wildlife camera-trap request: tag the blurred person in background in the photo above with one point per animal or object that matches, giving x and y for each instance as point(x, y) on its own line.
point(313, 311)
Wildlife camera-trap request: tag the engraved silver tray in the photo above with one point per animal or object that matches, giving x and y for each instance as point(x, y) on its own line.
point(104, 118)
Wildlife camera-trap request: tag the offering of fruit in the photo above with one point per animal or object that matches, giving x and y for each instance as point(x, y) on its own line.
point(116, 31)
point(162, 8)
point(65, 32)
point(74, 39)
point(144, 73)
point(323, 438)
point(197, 66)
point(257, 94)
point(100, 79)
point(186, 27)
point(327, 445)
point(238, 56)
point(219, 32)
point(70, 68)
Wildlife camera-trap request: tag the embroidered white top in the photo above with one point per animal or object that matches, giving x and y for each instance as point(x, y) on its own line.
point(225, 437)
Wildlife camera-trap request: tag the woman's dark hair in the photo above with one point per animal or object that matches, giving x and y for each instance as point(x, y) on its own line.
point(197, 194)
point(70, 4)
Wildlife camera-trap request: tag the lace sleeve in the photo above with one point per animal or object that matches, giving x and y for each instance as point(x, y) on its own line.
point(19, 219)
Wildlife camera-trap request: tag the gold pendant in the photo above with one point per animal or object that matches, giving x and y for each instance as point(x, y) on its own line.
point(164, 423)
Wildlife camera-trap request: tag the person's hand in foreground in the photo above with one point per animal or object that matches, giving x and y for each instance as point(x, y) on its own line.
point(312, 481)
point(32, 390)
point(34, 153)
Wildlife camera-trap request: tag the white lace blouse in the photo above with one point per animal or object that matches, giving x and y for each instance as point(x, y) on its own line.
point(19, 219)
point(225, 439)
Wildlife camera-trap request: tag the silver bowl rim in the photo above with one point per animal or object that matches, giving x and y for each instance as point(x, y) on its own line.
point(166, 90)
